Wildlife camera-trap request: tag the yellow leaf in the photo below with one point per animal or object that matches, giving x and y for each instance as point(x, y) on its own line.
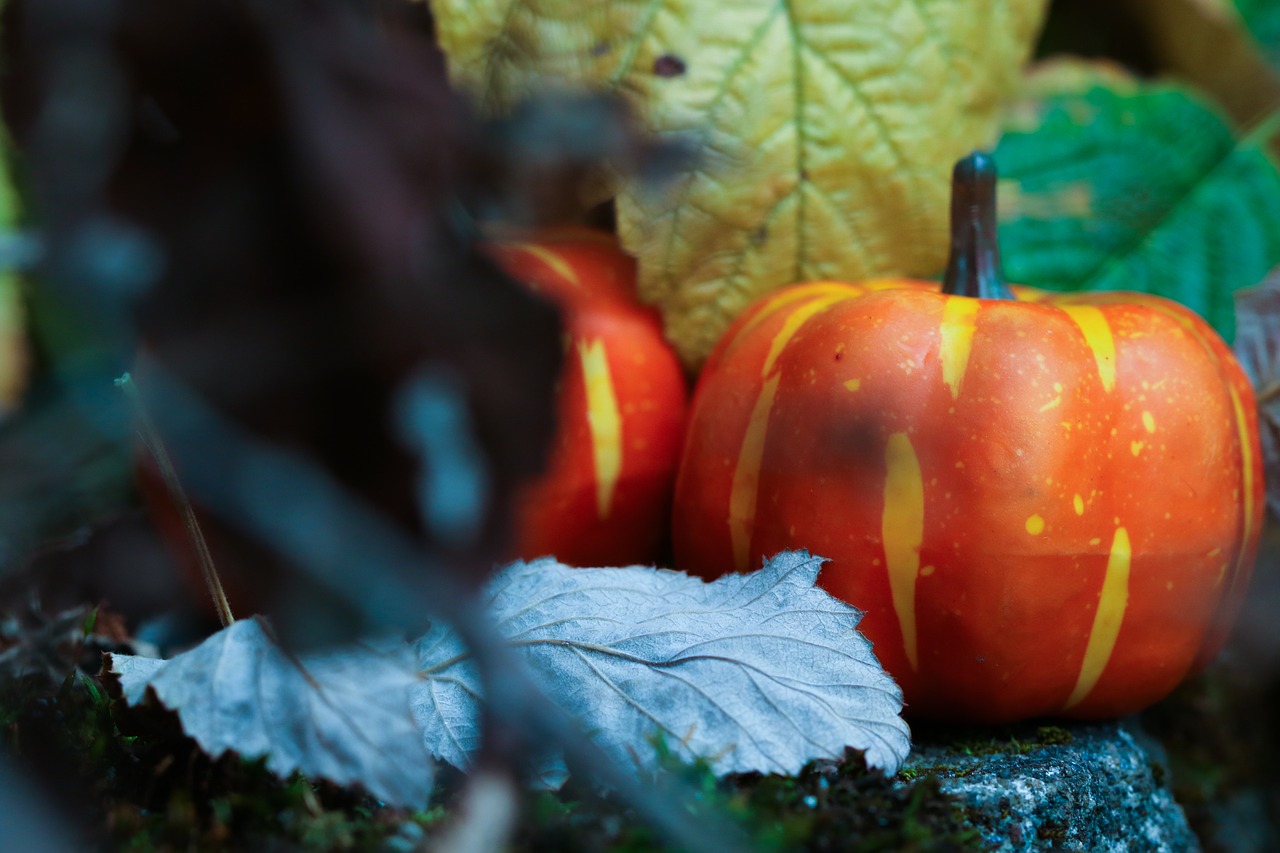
point(826, 130)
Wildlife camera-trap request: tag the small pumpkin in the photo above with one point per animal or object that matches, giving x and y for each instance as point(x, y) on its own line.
point(1047, 504)
point(605, 498)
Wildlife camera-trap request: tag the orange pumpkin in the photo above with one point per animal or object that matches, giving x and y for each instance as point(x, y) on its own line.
point(605, 498)
point(1046, 505)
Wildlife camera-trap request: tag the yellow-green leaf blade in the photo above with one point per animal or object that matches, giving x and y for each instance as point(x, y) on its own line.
point(826, 130)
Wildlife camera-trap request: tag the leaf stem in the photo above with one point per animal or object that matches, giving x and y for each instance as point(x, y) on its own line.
point(1265, 128)
point(150, 437)
point(973, 267)
point(1268, 393)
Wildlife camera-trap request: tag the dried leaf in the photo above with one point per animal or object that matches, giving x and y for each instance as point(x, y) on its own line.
point(1108, 183)
point(446, 703)
point(826, 132)
point(1257, 346)
point(757, 672)
point(341, 716)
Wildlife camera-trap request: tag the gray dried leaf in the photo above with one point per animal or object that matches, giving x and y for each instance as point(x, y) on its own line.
point(757, 672)
point(342, 715)
point(446, 702)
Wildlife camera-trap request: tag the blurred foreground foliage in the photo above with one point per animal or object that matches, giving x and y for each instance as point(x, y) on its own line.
point(276, 203)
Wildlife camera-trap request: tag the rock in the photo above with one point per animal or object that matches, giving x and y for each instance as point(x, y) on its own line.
point(1085, 787)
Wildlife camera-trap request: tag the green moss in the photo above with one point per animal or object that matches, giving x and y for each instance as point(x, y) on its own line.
point(138, 784)
point(145, 786)
point(1053, 736)
point(981, 741)
point(1051, 833)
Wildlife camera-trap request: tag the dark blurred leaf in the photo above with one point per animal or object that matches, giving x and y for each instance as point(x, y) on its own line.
point(46, 647)
point(266, 195)
point(29, 822)
point(549, 158)
point(1112, 184)
point(341, 716)
point(1257, 346)
point(62, 468)
point(760, 672)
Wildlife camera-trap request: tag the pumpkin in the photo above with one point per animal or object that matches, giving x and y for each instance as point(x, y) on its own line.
point(605, 498)
point(1046, 504)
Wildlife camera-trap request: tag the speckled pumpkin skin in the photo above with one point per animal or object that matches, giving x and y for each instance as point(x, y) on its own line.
point(605, 498)
point(1047, 506)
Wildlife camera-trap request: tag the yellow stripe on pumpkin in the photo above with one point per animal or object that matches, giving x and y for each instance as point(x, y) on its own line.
point(902, 530)
point(558, 264)
point(746, 476)
point(959, 316)
point(772, 304)
point(1112, 602)
point(1246, 463)
point(797, 318)
point(1097, 335)
point(604, 420)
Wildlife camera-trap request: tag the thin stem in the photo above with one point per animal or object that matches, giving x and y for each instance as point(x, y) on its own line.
point(973, 268)
point(1268, 393)
point(150, 437)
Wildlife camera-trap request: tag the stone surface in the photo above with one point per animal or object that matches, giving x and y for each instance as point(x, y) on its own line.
point(1085, 787)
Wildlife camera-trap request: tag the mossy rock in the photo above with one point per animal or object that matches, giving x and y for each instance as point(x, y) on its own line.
point(1079, 787)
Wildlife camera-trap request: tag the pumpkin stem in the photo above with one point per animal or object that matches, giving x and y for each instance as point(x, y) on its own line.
point(973, 269)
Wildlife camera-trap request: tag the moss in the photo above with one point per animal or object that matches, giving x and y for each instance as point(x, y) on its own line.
point(1053, 736)
point(141, 785)
point(1018, 739)
point(828, 806)
point(1051, 833)
point(136, 783)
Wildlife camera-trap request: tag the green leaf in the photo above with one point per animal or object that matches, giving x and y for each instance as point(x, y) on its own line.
point(825, 130)
point(1110, 184)
point(90, 621)
point(1262, 19)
